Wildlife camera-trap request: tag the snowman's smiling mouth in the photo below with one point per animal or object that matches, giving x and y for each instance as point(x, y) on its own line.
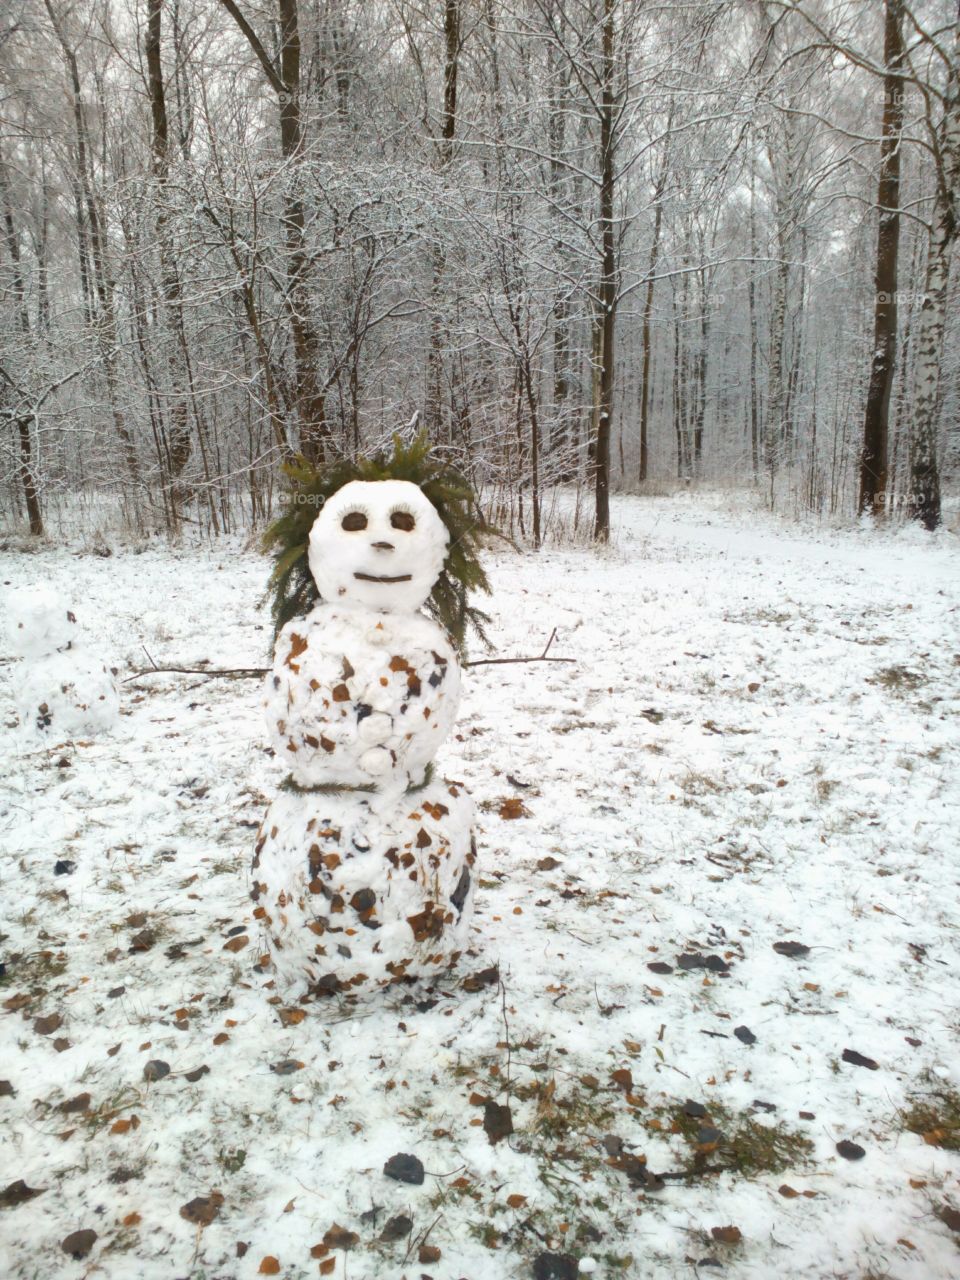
point(369, 577)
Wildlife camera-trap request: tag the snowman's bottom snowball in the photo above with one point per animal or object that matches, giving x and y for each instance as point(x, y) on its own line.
point(356, 889)
point(65, 694)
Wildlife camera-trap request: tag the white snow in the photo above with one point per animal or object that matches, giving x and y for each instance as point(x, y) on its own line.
point(380, 544)
point(756, 744)
point(379, 690)
point(60, 689)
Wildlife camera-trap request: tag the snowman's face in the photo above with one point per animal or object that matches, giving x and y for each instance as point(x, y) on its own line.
point(378, 543)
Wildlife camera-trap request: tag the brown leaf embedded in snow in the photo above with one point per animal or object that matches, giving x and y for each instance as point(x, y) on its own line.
point(18, 1193)
point(297, 646)
point(858, 1060)
point(80, 1103)
point(497, 1121)
point(291, 1017)
point(850, 1150)
point(269, 1266)
point(513, 807)
point(237, 943)
point(78, 1243)
point(338, 1237)
point(726, 1235)
point(428, 1253)
point(555, 1266)
point(405, 1168)
point(484, 978)
point(396, 1228)
point(286, 1067)
point(46, 1026)
point(202, 1210)
point(793, 949)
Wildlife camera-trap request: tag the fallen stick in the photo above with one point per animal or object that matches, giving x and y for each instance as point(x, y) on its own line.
point(251, 673)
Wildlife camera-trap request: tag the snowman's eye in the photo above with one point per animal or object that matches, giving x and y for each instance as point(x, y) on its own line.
point(353, 521)
point(403, 520)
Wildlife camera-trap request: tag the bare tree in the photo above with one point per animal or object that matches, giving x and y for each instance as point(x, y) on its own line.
point(873, 458)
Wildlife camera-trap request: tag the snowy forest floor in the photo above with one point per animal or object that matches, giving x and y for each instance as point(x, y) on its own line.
point(718, 872)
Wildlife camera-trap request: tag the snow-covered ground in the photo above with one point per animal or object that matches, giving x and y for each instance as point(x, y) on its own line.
point(756, 745)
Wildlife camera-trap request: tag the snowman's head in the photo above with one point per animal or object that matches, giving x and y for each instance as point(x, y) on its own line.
point(378, 543)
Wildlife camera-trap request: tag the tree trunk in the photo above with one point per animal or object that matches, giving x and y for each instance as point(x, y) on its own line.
point(24, 421)
point(874, 454)
point(923, 503)
point(179, 437)
point(752, 309)
point(647, 313)
point(605, 320)
point(448, 130)
point(310, 396)
point(105, 319)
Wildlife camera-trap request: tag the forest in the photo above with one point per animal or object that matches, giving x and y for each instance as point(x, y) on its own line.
point(597, 245)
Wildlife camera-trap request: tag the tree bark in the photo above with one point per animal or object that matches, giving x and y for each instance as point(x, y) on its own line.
point(24, 421)
point(874, 454)
point(433, 409)
point(606, 314)
point(923, 503)
point(105, 320)
point(645, 341)
point(310, 396)
point(179, 438)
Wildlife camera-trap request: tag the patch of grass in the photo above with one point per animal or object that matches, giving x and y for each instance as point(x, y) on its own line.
point(34, 971)
point(700, 784)
point(897, 679)
point(826, 788)
point(935, 1116)
point(746, 1145)
point(232, 1159)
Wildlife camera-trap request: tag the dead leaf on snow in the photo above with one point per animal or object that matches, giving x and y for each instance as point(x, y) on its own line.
point(80, 1103)
point(497, 1121)
point(483, 978)
point(78, 1243)
point(18, 1193)
point(202, 1209)
point(340, 1238)
point(513, 807)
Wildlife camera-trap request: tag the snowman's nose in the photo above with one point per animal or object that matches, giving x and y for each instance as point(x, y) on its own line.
point(383, 546)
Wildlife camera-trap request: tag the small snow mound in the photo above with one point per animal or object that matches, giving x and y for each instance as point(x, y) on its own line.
point(63, 695)
point(38, 621)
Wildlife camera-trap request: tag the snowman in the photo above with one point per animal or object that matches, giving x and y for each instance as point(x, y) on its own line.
point(60, 689)
point(362, 871)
